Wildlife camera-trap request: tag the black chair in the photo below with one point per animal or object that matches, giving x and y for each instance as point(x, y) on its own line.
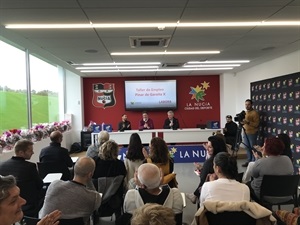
point(54, 167)
point(112, 196)
point(279, 190)
point(33, 221)
point(239, 177)
point(34, 198)
point(229, 218)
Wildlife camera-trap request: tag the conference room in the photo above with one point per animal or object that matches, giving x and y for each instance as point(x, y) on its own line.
point(75, 61)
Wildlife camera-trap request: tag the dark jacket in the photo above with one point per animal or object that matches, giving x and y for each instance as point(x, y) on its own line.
point(56, 153)
point(28, 180)
point(175, 124)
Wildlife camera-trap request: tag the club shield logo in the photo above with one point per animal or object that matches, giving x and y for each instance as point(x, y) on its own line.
point(104, 95)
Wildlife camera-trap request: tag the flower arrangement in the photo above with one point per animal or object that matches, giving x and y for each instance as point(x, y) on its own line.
point(36, 133)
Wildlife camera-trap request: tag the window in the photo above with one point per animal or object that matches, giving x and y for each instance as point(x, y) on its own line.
point(13, 92)
point(45, 91)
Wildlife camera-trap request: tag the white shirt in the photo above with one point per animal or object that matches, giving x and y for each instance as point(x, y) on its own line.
point(224, 189)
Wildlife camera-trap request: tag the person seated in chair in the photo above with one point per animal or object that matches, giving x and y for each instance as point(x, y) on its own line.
point(273, 164)
point(109, 166)
point(148, 179)
point(11, 204)
point(225, 187)
point(230, 131)
point(73, 198)
point(55, 153)
point(93, 150)
point(27, 176)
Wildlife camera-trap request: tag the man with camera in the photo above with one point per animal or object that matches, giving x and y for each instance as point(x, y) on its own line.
point(250, 123)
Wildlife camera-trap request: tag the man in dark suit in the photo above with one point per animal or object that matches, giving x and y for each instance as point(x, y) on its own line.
point(124, 124)
point(171, 122)
point(54, 152)
point(230, 131)
point(28, 179)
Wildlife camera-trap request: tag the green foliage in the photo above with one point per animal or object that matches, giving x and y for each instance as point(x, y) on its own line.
point(13, 109)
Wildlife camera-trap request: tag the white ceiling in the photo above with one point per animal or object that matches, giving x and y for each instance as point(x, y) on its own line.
point(235, 43)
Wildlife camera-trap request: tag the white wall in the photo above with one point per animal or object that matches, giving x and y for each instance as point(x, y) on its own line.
point(235, 89)
point(74, 105)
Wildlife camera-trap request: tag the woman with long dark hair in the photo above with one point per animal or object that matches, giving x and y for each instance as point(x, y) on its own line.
point(214, 146)
point(134, 156)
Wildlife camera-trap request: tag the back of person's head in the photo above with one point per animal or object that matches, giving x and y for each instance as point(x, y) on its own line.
point(159, 151)
point(84, 166)
point(6, 183)
point(218, 144)
point(227, 164)
point(22, 146)
point(149, 175)
point(109, 150)
point(287, 145)
point(103, 136)
point(153, 214)
point(56, 136)
point(135, 148)
point(273, 146)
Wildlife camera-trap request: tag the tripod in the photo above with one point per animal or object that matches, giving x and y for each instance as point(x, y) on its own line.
point(239, 140)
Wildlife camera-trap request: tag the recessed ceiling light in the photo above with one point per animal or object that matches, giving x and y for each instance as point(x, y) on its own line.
point(166, 53)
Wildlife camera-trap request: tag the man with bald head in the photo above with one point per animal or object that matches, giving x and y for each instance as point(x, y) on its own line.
point(54, 152)
point(148, 179)
point(72, 197)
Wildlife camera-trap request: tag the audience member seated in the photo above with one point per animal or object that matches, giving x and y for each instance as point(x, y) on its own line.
point(93, 150)
point(108, 165)
point(73, 198)
point(26, 175)
point(153, 214)
point(54, 152)
point(148, 179)
point(11, 203)
point(273, 164)
point(230, 131)
point(146, 123)
point(134, 157)
point(225, 188)
point(260, 152)
point(160, 156)
point(124, 124)
point(171, 122)
point(213, 147)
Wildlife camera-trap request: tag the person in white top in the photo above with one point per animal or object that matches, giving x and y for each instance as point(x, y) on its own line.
point(225, 188)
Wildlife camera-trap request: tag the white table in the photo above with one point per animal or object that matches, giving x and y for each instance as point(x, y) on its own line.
point(52, 177)
point(188, 135)
point(194, 135)
point(122, 138)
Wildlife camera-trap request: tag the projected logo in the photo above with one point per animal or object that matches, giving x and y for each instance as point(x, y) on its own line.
point(198, 92)
point(104, 95)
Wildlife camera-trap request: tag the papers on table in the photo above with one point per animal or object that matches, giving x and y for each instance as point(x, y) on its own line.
point(74, 159)
point(52, 177)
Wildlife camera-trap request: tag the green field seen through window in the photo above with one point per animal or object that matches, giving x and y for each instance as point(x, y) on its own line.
point(13, 110)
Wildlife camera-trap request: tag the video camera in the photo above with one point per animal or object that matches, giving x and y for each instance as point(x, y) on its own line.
point(240, 116)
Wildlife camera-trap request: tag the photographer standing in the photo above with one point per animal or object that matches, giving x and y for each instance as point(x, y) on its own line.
point(250, 124)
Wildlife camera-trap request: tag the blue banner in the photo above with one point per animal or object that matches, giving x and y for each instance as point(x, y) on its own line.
point(180, 153)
